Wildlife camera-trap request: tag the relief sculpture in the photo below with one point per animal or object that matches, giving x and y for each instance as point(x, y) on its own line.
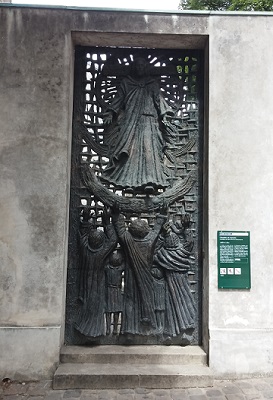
point(173, 261)
point(95, 246)
point(136, 260)
point(136, 137)
point(114, 299)
point(138, 242)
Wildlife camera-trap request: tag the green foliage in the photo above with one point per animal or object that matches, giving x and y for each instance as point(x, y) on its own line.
point(251, 5)
point(232, 5)
point(205, 5)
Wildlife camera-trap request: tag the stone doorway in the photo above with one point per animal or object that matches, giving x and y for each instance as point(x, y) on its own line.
point(134, 263)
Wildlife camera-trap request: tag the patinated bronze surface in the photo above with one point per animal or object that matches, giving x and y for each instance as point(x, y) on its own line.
point(136, 138)
point(134, 266)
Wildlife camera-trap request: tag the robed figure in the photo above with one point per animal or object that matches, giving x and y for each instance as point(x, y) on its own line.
point(175, 261)
point(138, 243)
point(136, 135)
point(95, 247)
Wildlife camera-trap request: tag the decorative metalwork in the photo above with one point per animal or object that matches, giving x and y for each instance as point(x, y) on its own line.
point(134, 265)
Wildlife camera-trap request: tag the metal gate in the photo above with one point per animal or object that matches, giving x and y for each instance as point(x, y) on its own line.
point(134, 263)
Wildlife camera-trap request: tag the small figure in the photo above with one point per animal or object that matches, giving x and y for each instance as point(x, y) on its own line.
point(114, 304)
point(160, 297)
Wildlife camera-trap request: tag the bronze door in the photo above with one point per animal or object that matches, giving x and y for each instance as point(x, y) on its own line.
point(134, 263)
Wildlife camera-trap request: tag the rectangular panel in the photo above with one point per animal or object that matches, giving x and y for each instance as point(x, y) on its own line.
point(137, 147)
point(233, 260)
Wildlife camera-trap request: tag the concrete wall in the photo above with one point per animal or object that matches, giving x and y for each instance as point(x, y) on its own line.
point(241, 188)
point(35, 122)
point(36, 83)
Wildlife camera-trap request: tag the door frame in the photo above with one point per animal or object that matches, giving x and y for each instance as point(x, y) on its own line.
point(196, 42)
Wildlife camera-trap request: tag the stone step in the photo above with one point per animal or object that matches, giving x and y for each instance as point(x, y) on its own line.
point(134, 355)
point(127, 375)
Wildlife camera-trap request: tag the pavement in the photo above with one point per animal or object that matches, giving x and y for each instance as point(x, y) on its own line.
point(250, 389)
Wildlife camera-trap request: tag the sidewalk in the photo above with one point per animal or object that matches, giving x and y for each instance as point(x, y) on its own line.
point(251, 389)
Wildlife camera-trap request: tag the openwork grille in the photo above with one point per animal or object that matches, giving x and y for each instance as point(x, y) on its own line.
point(98, 75)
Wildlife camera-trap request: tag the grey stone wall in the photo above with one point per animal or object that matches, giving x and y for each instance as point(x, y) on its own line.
point(36, 94)
point(35, 141)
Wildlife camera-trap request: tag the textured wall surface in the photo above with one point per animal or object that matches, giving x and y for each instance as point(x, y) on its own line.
point(36, 85)
point(35, 97)
point(241, 187)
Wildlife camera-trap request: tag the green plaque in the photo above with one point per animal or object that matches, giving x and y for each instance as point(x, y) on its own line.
point(233, 260)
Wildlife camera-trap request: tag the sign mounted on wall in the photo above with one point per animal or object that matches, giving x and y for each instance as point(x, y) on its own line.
point(233, 253)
